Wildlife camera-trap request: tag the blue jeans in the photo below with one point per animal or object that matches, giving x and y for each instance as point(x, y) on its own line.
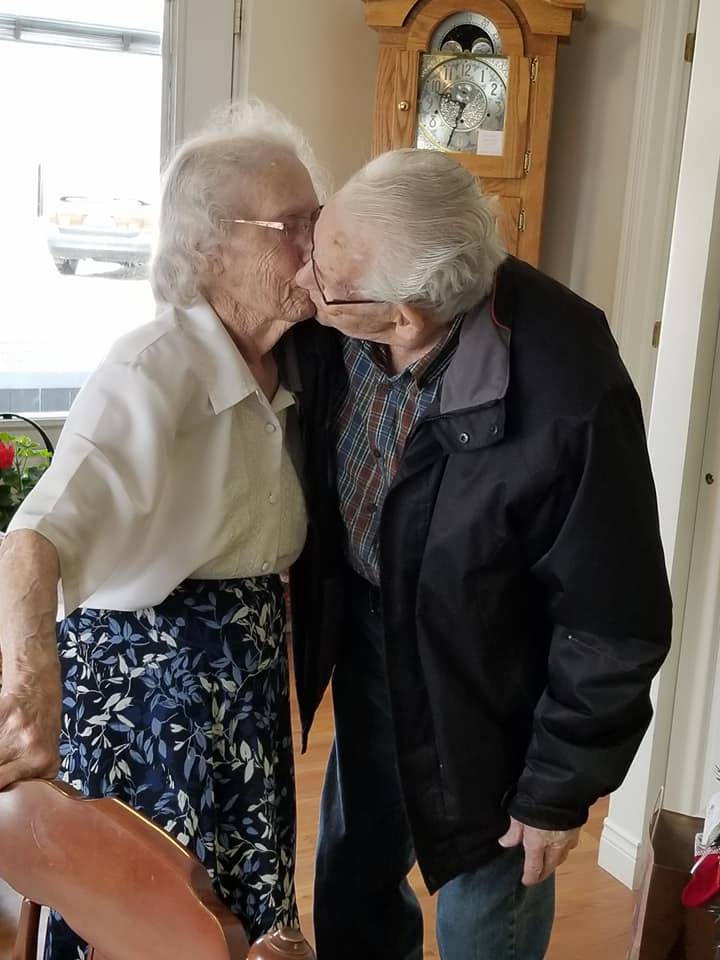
point(488, 915)
point(364, 905)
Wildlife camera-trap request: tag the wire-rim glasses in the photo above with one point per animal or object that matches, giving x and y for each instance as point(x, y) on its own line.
point(329, 303)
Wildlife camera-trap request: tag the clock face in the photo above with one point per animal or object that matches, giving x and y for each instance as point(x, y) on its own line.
point(467, 33)
point(462, 103)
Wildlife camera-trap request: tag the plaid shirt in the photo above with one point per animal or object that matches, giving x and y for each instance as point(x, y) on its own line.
point(375, 419)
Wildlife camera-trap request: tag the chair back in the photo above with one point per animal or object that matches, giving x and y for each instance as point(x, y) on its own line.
point(120, 882)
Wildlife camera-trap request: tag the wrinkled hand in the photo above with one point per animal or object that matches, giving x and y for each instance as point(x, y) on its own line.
point(545, 850)
point(30, 727)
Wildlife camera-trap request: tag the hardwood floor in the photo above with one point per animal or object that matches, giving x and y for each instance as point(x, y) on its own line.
point(594, 911)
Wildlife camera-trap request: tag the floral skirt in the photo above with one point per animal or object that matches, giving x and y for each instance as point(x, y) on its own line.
point(182, 711)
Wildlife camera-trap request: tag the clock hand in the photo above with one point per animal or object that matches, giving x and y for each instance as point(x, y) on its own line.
point(457, 121)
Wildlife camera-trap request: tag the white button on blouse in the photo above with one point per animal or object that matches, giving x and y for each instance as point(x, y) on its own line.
point(163, 469)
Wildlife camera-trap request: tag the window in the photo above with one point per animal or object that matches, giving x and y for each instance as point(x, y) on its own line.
point(81, 86)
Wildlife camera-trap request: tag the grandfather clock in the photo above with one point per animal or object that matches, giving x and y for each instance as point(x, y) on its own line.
point(475, 79)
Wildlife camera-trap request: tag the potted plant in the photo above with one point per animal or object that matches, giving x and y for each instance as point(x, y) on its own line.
point(22, 462)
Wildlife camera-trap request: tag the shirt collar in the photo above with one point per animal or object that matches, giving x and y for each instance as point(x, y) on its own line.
point(436, 361)
point(219, 363)
point(424, 369)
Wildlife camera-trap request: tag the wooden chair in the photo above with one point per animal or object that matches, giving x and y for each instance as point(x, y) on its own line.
point(123, 884)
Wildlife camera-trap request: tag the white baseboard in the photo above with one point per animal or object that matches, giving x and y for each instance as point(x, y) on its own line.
point(619, 854)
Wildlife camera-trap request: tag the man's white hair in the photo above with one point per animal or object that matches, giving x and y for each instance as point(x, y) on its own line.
point(437, 245)
point(189, 230)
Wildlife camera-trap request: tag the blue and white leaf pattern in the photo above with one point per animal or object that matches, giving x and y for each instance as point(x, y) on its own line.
point(182, 711)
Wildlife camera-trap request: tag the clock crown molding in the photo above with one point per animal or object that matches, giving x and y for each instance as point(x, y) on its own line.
point(544, 17)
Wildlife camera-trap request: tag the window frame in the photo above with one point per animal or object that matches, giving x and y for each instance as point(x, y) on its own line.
point(69, 33)
point(197, 50)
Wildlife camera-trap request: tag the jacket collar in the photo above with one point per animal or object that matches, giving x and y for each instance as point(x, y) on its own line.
point(219, 363)
point(470, 412)
point(479, 372)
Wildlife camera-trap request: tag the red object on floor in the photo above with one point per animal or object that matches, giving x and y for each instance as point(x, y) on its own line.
point(704, 884)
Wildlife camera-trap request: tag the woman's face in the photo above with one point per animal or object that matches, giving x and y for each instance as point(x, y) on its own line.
point(254, 275)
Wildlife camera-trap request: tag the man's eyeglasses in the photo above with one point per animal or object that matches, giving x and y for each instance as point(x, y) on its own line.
point(329, 303)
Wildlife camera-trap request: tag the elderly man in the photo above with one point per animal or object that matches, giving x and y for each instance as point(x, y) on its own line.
point(484, 569)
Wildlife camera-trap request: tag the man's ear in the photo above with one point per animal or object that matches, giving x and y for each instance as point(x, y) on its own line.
point(411, 322)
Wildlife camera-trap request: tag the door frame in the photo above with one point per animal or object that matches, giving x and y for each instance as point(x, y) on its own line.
point(198, 42)
point(695, 736)
point(678, 423)
point(654, 165)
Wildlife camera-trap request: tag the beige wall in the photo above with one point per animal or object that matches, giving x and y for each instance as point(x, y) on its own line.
point(315, 60)
point(593, 119)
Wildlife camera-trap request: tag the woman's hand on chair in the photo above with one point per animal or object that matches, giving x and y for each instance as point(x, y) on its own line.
point(30, 725)
point(31, 694)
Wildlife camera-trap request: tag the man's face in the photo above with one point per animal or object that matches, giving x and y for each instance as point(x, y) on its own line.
point(340, 257)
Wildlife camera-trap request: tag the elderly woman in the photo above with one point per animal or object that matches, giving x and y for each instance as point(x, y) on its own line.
point(170, 509)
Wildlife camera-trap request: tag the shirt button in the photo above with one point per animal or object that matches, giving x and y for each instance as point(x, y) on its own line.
point(265, 567)
point(270, 428)
point(376, 453)
point(464, 438)
point(272, 498)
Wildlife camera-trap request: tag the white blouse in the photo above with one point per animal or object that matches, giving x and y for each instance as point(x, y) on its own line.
point(172, 465)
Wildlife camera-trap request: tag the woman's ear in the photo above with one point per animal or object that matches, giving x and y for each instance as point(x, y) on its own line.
point(208, 264)
point(215, 265)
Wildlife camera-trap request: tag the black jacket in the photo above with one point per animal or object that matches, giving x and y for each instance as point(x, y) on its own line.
point(524, 587)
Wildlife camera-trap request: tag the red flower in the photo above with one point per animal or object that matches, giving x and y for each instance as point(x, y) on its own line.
point(7, 455)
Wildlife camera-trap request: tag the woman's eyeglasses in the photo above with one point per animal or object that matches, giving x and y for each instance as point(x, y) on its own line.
point(296, 229)
point(302, 230)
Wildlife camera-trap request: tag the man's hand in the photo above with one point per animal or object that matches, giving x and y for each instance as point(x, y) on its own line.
point(30, 727)
point(545, 850)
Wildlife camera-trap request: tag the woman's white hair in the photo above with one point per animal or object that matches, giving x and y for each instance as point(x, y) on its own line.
point(189, 230)
point(437, 244)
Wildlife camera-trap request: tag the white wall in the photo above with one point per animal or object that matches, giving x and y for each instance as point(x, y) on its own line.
point(592, 126)
point(315, 60)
